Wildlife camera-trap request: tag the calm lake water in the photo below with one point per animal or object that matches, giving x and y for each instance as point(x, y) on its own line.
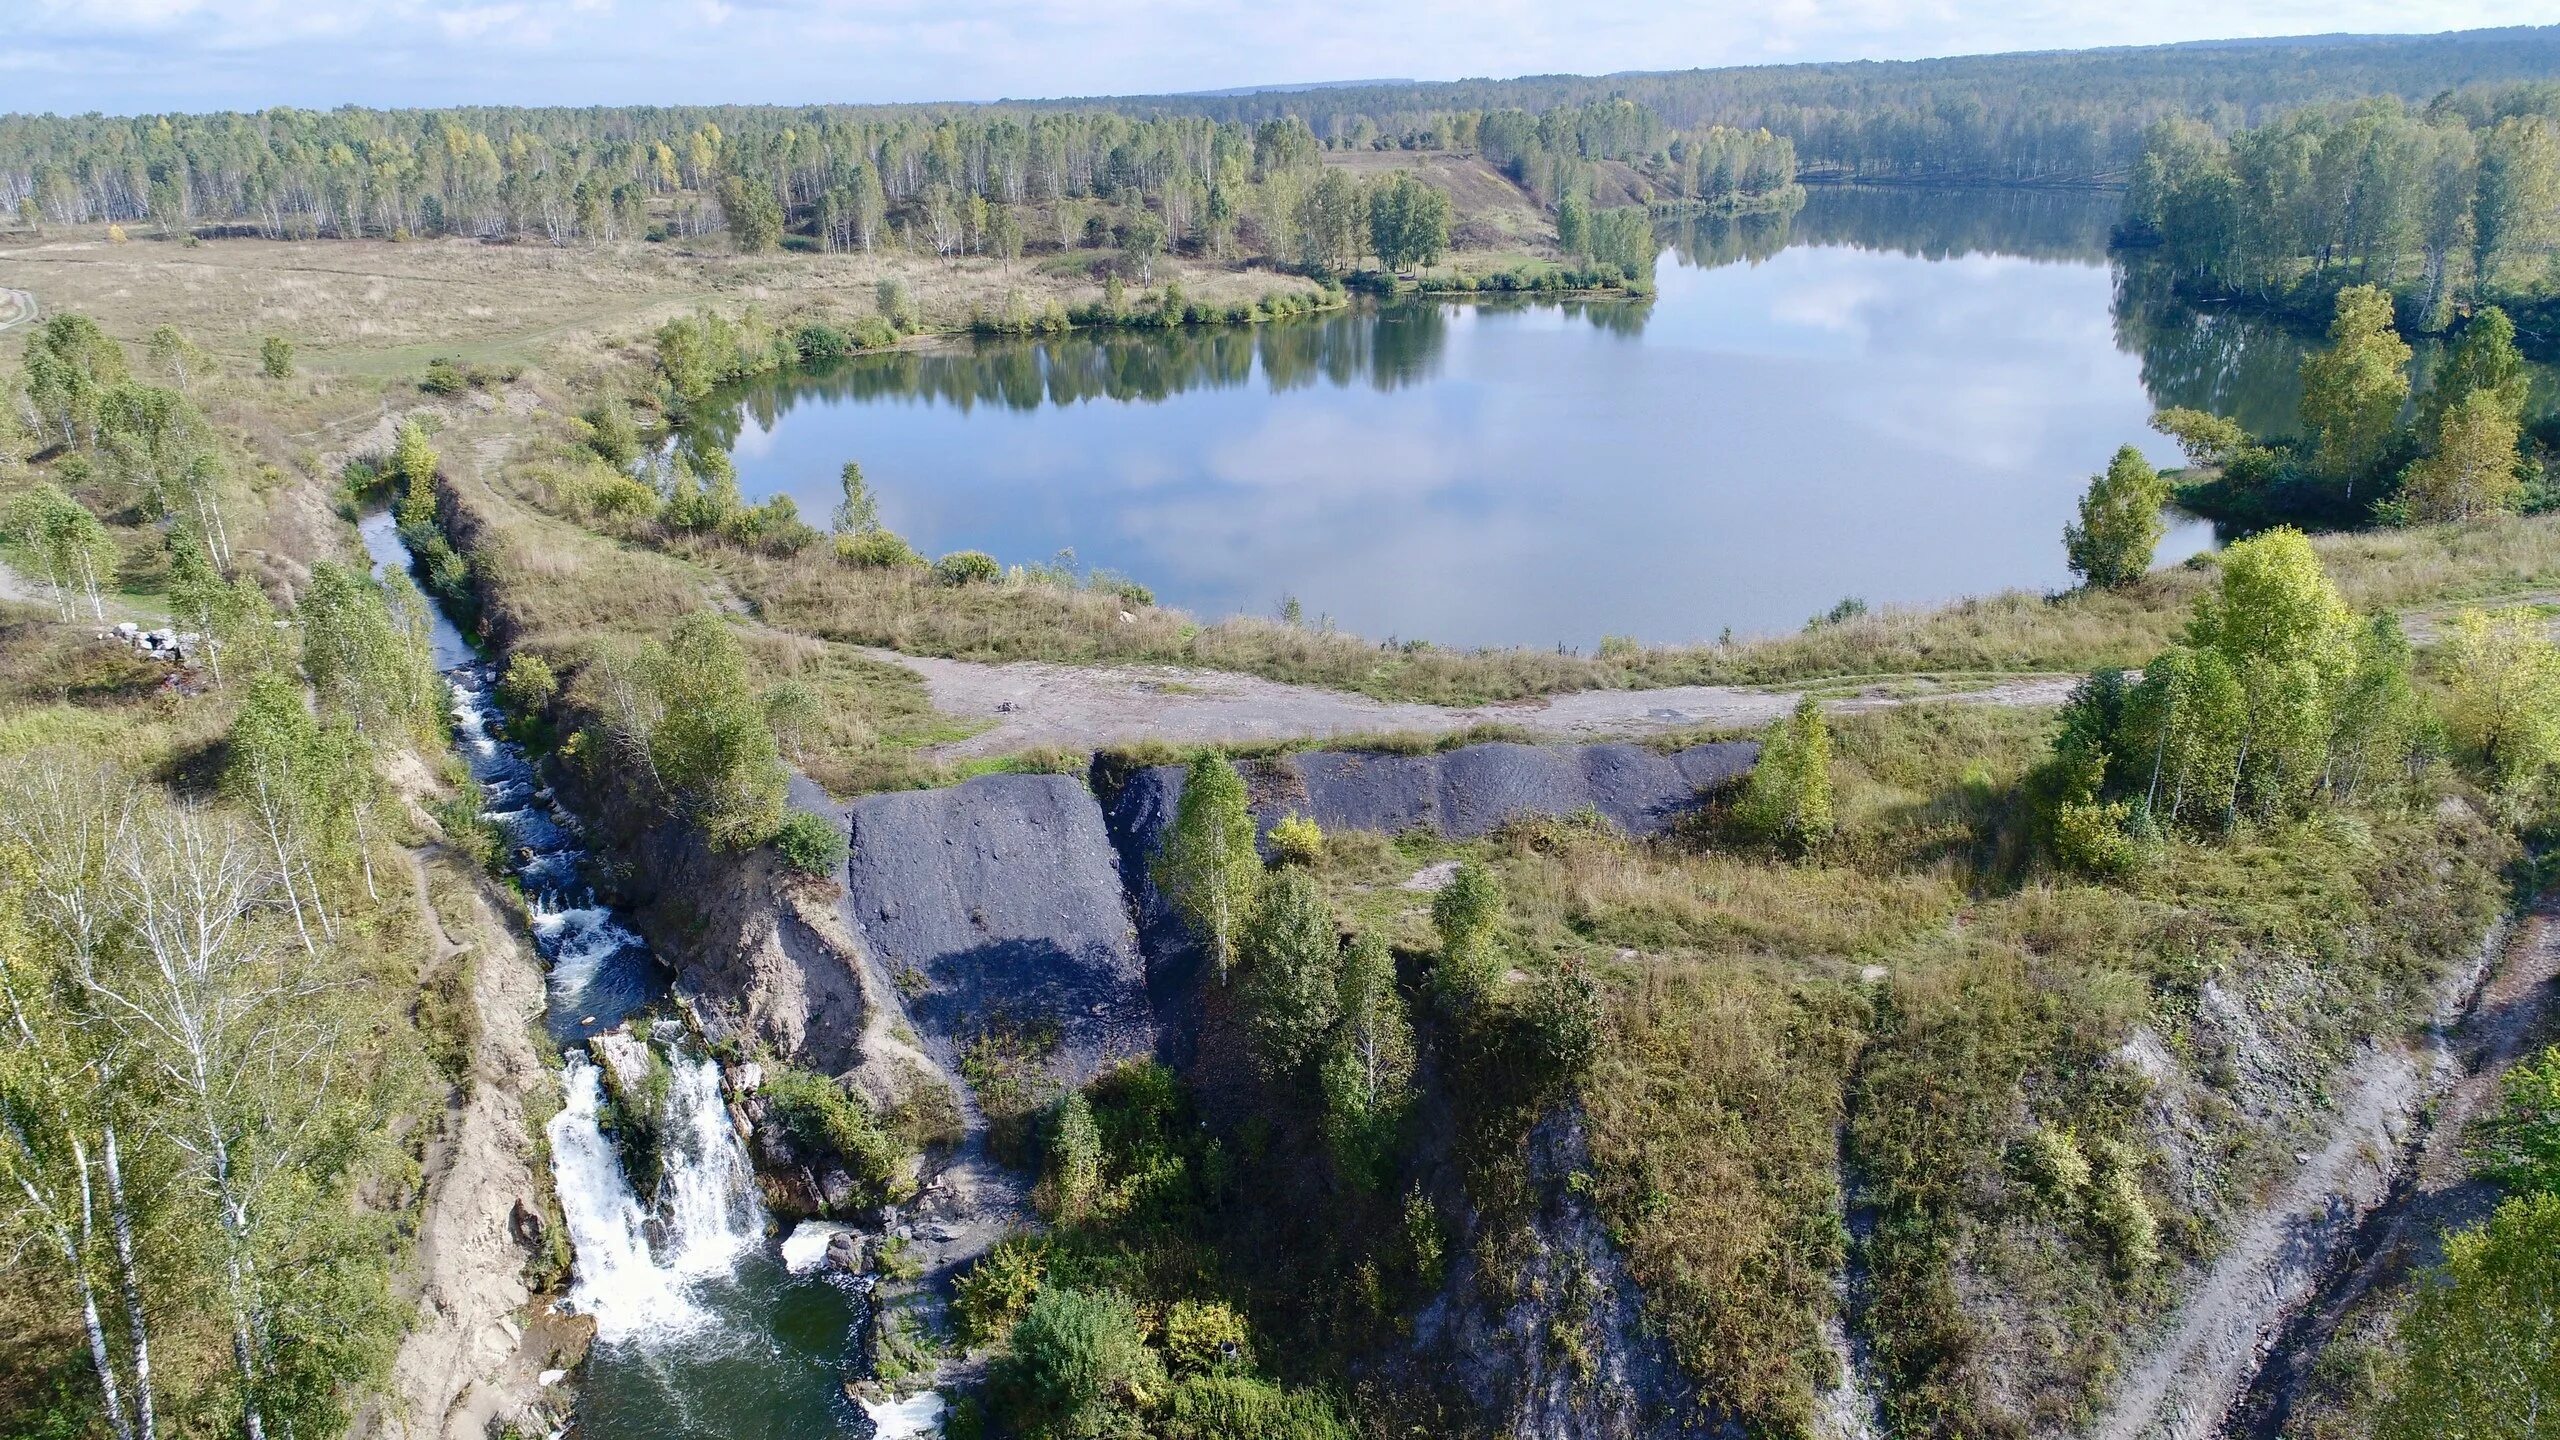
point(1896, 395)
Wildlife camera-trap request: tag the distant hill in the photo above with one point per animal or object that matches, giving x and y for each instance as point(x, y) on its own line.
point(1299, 88)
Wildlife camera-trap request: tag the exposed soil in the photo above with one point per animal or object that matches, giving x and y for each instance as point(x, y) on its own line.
point(17, 307)
point(474, 1359)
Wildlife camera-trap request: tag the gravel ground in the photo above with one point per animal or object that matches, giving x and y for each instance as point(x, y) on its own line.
point(1086, 707)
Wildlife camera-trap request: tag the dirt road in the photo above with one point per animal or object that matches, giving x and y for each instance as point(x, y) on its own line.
point(17, 307)
point(1035, 704)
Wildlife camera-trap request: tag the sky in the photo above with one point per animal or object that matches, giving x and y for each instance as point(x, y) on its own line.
point(128, 56)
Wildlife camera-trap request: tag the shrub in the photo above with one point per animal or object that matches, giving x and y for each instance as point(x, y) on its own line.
point(1073, 1175)
point(1206, 1335)
point(1788, 797)
point(1466, 913)
point(967, 567)
point(1298, 840)
point(529, 686)
point(820, 1114)
point(1293, 962)
point(2518, 1145)
point(989, 1298)
point(1239, 1407)
point(2096, 840)
point(2051, 1161)
point(877, 550)
point(1078, 1366)
point(2121, 1213)
point(810, 844)
point(275, 357)
point(444, 378)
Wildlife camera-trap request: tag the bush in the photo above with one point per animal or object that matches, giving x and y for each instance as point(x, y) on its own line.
point(1292, 951)
point(989, 1298)
point(1206, 1335)
point(1074, 1163)
point(529, 686)
point(1466, 913)
point(2096, 840)
point(275, 357)
point(821, 1115)
point(1239, 1407)
point(810, 844)
point(1298, 840)
point(877, 550)
point(2121, 1213)
point(1788, 797)
point(444, 378)
point(1078, 1367)
point(967, 567)
point(2518, 1145)
point(2051, 1161)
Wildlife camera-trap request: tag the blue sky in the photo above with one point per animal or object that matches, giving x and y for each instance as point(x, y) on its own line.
point(139, 55)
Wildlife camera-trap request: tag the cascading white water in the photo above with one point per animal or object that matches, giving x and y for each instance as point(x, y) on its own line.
point(579, 939)
point(616, 1279)
point(707, 1202)
point(709, 1195)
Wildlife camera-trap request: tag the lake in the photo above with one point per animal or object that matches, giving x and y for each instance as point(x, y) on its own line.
point(1894, 395)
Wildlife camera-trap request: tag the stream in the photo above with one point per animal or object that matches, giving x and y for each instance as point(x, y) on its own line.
point(707, 1324)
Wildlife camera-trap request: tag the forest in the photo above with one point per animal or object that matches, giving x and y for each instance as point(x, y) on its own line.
point(2445, 206)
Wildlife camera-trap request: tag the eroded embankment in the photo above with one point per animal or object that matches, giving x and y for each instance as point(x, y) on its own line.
point(2349, 1215)
point(2436, 1189)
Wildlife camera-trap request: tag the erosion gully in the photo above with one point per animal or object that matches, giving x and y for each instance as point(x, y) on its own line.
point(708, 1323)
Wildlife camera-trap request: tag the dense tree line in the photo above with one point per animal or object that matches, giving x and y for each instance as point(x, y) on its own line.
point(2071, 116)
point(2454, 202)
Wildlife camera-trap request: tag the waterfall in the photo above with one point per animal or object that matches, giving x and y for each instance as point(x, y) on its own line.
point(709, 1195)
point(616, 1279)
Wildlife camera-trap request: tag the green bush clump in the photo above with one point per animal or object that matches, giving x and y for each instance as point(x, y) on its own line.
point(810, 844)
point(1078, 1366)
point(967, 567)
point(819, 1113)
point(2518, 1145)
point(1206, 1335)
point(1297, 840)
point(444, 378)
point(1240, 1407)
point(989, 1298)
point(877, 550)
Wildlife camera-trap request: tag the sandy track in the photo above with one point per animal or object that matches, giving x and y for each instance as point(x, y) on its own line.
point(17, 307)
point(1039, 704)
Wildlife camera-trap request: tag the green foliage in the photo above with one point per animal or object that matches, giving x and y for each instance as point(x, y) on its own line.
point(1201, 1336)
point(878, 550)
point(2518, 1144)
point(1367, 1079)
point(1077, 1368)
point(1466, 915)
point(1208, 868)
point(1297, 840)
point(1408, 222)
point(2471, 469)
point(1291, 948)
point(754, 216)
point(2481, 1340)
point(2121, 1214)
point(2483, 361)
point(692, 712)
point(275, 357)
point(444, 377)
point(529, 686)
point(2110, 545)
point(612, 434)
point(827, 1119)
point(2502, 677)
point(1072, 1173)
point(967, 567)
point(2051, 1161)
point(1240, 1407)
point(2352, 392)
point(1787, 800)
point(810, 844)
point(989, 1298)
point(2205, 439)
point(857, 513)
point(412, 469)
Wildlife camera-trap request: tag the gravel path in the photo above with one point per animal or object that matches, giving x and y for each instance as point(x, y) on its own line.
point(1077, 707)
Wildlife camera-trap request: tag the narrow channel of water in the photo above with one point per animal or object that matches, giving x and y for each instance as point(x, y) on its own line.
point(706, 1325)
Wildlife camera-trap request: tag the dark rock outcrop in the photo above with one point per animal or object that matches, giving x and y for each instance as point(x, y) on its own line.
point(998, 902)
